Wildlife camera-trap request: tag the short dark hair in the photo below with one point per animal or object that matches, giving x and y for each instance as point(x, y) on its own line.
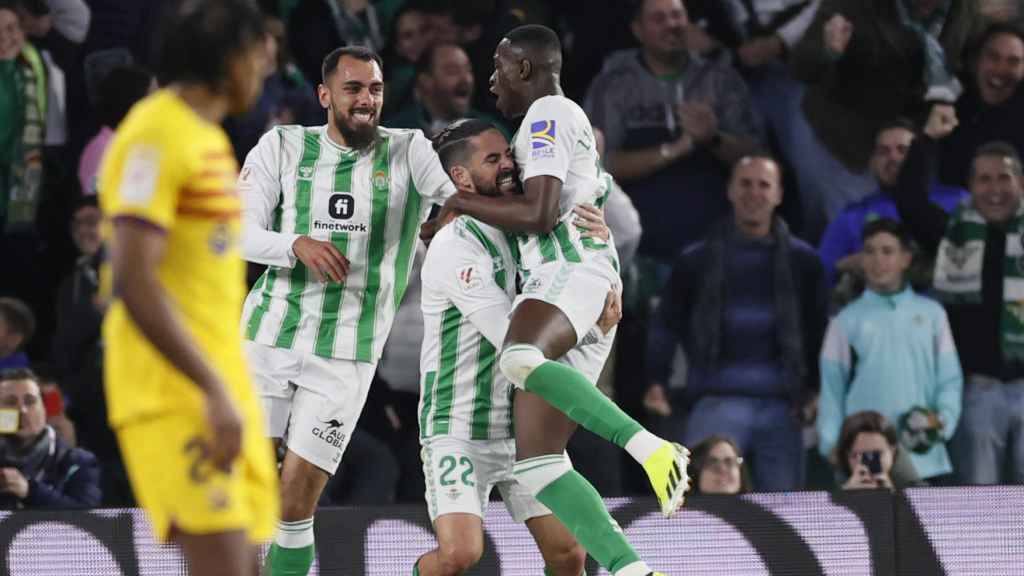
point(699, 460)
point(452, 143)
point(1001, 149)
point(201, 36)
point(362, 53)
point(19, 317)
point(866, 422)
point(119, 90)
point(888, 226)
point(758, 154)
point(898, 123)
point(19, 374)
point(1000, 28)
point(425, 65)
point(539, 40)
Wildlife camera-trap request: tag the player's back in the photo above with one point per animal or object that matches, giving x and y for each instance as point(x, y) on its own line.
point(169, 168)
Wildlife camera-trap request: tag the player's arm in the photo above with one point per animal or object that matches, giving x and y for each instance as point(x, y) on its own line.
point(533, 212)
point(260, 186)
point(136, 251)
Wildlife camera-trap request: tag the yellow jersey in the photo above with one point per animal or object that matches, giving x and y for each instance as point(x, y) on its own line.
point(169, 168)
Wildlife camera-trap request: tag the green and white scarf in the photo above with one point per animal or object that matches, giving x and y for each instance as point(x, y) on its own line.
point(958, 272)
point(25, 185)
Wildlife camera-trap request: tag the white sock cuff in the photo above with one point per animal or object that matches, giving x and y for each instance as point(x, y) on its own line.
point(536, 473)
point(642, 445)
point(638, 568)
point(518, 361)
point(298, 534)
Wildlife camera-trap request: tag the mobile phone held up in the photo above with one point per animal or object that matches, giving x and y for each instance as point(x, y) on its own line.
point(872, 461)
point(9, 420)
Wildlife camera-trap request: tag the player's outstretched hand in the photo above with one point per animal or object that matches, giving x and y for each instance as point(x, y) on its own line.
point(323, 259)
point(590, 220)
point(225, 428)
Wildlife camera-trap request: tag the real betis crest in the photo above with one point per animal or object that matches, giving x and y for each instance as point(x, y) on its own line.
point(959, 255)
point(380, 180)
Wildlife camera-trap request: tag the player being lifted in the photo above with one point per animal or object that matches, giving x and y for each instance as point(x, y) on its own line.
point(179, 394)
point(566, 280)
point(334, 212)
point(465, 420)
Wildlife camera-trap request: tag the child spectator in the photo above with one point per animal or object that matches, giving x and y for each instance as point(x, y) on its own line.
point(17, 324)
point(892, 351)
point(869, 456)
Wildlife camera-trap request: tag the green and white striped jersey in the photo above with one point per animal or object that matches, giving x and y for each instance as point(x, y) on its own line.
point(368, 203)
point(556, 139)
point(469, 269)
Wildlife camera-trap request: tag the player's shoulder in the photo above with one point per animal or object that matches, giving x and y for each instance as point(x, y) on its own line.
point(555, 104)
point(402, 136)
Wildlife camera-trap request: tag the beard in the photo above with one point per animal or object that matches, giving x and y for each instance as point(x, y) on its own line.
point(359, 136)
point(493, 187)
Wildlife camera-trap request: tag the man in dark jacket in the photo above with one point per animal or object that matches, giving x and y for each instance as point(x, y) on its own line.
point(37, 469)
point(749, 306)
point(866, 62)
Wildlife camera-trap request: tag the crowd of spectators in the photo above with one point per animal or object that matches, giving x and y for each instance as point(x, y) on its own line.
point(818, 203)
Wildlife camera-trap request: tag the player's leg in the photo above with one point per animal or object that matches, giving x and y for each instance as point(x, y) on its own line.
point(460, 544)
point(556, 310)
point(563, 555)
point(218, 554)
point(542, 468)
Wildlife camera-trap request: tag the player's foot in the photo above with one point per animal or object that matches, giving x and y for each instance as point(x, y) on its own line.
point(666, 469)
point(656, 574)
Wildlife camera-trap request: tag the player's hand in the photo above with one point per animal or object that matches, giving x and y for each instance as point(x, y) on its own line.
point(323, 259)
point(854, 264)
point(590, 220)
point(759, 50)
point(941, 121)
point(430, 228)
point(13, 482)
point(699, 121)
point(612, 313)
point(837, 33)
point(225, 424)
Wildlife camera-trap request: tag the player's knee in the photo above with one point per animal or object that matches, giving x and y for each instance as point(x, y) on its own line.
point(518, 361)
point(565, 559)
point(456, 558)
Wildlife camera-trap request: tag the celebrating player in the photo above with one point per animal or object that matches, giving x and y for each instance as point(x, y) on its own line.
point(465, 402)
point(566, 280)
point(334, 212)
point(178, 390)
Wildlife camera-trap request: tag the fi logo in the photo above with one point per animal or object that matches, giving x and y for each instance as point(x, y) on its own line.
point(341, 206)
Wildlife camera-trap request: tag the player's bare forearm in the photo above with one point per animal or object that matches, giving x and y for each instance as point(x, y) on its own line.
point(135, 254)
point(533, 212)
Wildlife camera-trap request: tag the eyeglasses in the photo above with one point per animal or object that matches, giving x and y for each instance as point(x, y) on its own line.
point(729, 463)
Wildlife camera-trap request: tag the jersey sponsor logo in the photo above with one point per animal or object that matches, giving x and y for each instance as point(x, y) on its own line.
point(469, 279)
point(341, 206)
point(336, 227)
point(305, 172)
point(141, 170)
point(331, 432)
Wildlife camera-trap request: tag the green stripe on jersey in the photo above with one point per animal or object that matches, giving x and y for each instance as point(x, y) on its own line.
point(547, 248)
point(381, 183)
point(305, 173)
point(407, 240)
point(334, 292)
point(485, 358)
point(447, 365)
point(428, 399)
point(266, 283)
point(499, 275)
point(569, 252)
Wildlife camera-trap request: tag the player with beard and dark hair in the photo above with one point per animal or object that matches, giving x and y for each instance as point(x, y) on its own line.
point(566, 277)
point(465, 401)
point(333, 211)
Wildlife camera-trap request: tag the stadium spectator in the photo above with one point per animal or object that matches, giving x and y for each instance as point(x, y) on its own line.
point(287, 97)
point(749, 306)
point(316, 27)
point(978, 279)
point(992, 107)
point(412, 35)
point(443, 92)
point(868, 455)
point(56, 416)
point(674, 123)
point(37, 468)
point(891, 351)
point(17, 325)
point(866, 62)
point(118, 92)
point(840, 248)
point(716, 466)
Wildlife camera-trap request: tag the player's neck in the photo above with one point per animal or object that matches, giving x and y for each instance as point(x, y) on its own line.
point(550, 86)
point(207, 104)
point(664, 64)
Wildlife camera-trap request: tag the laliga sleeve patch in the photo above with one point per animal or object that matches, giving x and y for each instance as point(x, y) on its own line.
point(141, 170)
point(469, 279)
point(542, 139)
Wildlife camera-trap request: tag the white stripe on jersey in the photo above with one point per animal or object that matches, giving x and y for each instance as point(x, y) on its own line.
point(469, 267)
point(369, 204)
